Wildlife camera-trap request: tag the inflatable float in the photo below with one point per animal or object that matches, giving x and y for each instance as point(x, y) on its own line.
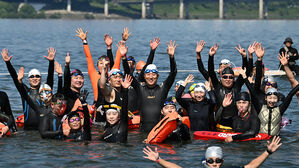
point(208, 135)
point(1, 126)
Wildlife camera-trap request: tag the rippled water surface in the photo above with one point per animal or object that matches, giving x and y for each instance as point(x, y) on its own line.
point(27, 41)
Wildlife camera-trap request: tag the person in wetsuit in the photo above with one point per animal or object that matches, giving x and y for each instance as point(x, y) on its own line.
point(152, 95)
point(31, 118)
point(77, 132)
point(227, 85)
point(199, 108)
point(50, 124)
point(214, 156)
point(6, 115)
point(117, 117)
point(292, 55)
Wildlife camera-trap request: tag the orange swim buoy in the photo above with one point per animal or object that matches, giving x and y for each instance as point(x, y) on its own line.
point(1, 126)
point(165, 127)
point(186, 121)
point(20, 121)
point(134, 122)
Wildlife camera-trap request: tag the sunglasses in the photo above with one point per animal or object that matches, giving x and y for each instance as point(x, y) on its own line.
point(211, 161)
point(131, 59)
point(150, 70)
point(272, 84)
point(272, 93)
point(227, 77)
point(73, 120)
point(34, 76)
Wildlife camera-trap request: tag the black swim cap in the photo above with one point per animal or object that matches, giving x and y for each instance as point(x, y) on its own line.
point(169, 101)
point(227, 70)
point(103, 57)
point(243, 96)
point(72, 114)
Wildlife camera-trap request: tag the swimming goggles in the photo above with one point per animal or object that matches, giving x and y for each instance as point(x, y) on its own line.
point(117, 72)
point(227, 77)
point(272, 93)
point(272, 84)
point(130, 59)
point(34, 76)
point(46, 92)
point(151, 70)
point(211, 161)
point(76, 73)
point(73, 120)
point(169, 103)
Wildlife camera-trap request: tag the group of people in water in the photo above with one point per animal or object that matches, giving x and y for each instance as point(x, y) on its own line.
point(218, 104)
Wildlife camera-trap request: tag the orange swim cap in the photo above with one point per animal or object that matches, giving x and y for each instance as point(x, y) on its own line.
point(140, 65)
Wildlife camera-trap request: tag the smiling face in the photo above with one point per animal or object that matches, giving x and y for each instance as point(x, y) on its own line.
point(271, 100)
point(115, 80)
point(75, 123)
point(151, 78)
point(34, 81)
point(77, 82)
point(198, 96)
point(227, 80)
point(112, 116)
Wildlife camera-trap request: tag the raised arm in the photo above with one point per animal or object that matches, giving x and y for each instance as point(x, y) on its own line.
point(86, 125)
point(211, 68)
point(178, 94)
point(200, 65)
point(226, 102)
point(259, 51)
point(284, 61)
point(242, 51)
point(283, 107)
point(67, 73)
point(58, 70)
point(50, 58)
point(108, 41)
point(250, 59)
point(106, 91)
point(173, 71)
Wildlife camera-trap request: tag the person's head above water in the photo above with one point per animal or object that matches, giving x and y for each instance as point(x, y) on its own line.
point(100, 62)
point(243, 103)
point(45, 93)
point(74, 120)
point(198, 91)
point(115, 76)
point(227, 77)
point(223, 64)
point(213, 157)
point(268, 82)
point(139, 66)
point(34, 77)
point(58, 104)
point(271, 97)
point(112, 112)
point(288, 42)
point(151, 75)
point(77, 80)
point(131, 63)
point(168, 106)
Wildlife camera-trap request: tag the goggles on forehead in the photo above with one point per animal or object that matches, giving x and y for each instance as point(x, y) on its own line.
point(272, 93)
point(151, 70)
point(130, 59)
point(117, 72)
point(192, 87)
point(76, 73)
point(168, 103)
point(272, 84)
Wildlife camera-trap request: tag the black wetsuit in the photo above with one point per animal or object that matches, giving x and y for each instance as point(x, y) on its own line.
point(85, 134)
point(119, 131)
point(292, 59)
point(152, 98)
point(31, 119)
point(180, 134)
point(224, 115)
point(200, 113)
point(249, 126)
point(50, 126)
point(6, 115)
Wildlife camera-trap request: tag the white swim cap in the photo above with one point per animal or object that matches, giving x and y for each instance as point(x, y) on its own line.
point(44, 87)
point(151, 68)
point(225, 61)
point(34, 72)
point(214, 151)
point(200, 87)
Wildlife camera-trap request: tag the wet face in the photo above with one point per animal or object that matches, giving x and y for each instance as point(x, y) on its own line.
point(288, 44)
point(46, 96)
point(151, 78)
point(101, 64)
point(112, 116)
point(242, 106)
point(77, 82)
point(131, 66)
point(214, 162)
point(75, 123)
point(227, 80)
point(58, 107)
point(168, 109)
point(199, 96)
point(115, 80)
point(271, 100)
point(34, 80)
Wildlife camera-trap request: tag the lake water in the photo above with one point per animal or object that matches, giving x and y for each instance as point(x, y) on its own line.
point(27, 41)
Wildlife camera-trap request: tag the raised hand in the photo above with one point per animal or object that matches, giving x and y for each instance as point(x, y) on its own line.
point(189, 79)
point(241, 50)
point(171, 48)
point(81, 34)
point(5, 56)
point(155, 44)
point(259, 51)
point(125, 35)
point(106, 64)
point(200, 46)
point(227, 100)
point(208, 86)
point(274, 145)
point(122, 48)
point(251, 48)
point(283, 58)
point(127, 82)
point(213, 49)
point(108, 40)
point(58, 68)
point(83, 96)
point(51, 54)
point(21, 75)
point(4, 130)
point(242, 72)
point(151, 155)
point(67, 59)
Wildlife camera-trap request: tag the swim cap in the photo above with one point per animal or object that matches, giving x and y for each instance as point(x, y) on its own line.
point(110, 107)
point(114, 72)
point(214, 151)
point(44, 87)
point(140, 65)
point(103, 57)
point(77, 72)
point(272, 91)
point(225, 61)
point(268, 79)
point(227, 70)
point(169, 101)
point(243, 96)
point(34, 72)
point(131, 58)
point(288, 39)
point(151, 68)
point(200, 87)
point(178, 83)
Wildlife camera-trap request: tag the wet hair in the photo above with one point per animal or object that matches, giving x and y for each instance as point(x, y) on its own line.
point(57, 96)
